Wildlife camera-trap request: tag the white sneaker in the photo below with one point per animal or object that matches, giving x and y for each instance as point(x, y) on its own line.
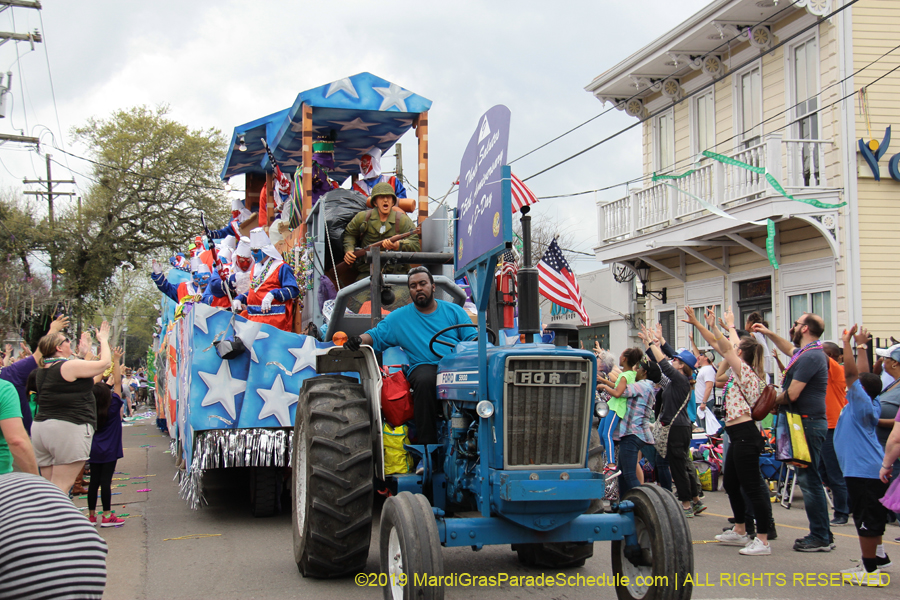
point(756, 547)
point(730, 538)
point(859, 576)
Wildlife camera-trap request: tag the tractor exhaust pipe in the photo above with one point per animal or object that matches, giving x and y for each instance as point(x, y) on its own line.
point(529, 314)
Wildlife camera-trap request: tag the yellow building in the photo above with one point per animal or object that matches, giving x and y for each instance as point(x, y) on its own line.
point(771, 85)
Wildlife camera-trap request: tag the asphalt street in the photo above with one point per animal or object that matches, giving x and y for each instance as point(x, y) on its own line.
point(166, 551)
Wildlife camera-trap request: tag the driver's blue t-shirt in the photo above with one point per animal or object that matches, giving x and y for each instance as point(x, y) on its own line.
point(412, 330)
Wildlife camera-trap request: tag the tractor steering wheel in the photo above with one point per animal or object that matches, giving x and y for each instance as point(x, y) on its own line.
point(434, 338)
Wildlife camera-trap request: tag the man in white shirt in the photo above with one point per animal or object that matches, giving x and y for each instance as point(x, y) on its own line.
point(704, 390)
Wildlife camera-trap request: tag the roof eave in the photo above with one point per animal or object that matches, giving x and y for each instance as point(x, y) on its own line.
point(661, 44)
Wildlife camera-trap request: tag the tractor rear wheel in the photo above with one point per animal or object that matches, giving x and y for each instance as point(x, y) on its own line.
point(409, 547)
point(332, 477)
point(666, 553)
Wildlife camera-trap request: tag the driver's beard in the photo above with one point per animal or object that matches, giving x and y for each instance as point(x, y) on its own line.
point(423, 302)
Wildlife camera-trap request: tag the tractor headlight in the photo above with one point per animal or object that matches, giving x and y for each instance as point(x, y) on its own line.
point(601, 408)
point(484, 409)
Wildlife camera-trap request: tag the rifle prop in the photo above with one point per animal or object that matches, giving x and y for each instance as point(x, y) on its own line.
point(360, 252)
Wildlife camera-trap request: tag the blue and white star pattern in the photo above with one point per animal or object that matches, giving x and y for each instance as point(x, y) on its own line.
point(258, 388)
point(364, 111)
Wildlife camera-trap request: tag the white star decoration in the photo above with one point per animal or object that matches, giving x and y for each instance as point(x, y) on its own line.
point(342, 85)
point(356, 123)
point(277, 402)
point(388, 137)
point(393, 96)
point(201, 313)
point(249, 332)
point(404, 122)
point(305, 356)
point(222, 388)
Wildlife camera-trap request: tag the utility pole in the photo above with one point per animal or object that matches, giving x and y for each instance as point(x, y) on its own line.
point(399, 156)
point(51, 215)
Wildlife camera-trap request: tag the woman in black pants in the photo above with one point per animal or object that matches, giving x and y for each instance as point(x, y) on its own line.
point(106, 447)
point(674, 397)
point(744, 388)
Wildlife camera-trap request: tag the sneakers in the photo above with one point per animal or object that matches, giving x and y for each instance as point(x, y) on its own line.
point(810, 544)
point(93, 520)
point(859, 576)
point(839, 520)
point(756, 547)
point(112, 521)
point(610, 473)
point(688, 512)
point(732, 538)
point(697, 507)
point(773, 533)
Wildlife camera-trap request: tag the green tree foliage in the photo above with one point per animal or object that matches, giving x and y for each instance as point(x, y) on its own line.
point(26, 302)
point(153, 178)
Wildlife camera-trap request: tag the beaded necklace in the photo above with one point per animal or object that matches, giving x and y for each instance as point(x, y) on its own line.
point(257, 280)
point(810, 346)
point(50, 361)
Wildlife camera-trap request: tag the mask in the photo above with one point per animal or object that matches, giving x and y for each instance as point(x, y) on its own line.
point(244, 263)
point(257, 255)
point(201, 280)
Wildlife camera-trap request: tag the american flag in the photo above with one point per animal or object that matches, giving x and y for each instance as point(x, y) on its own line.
point(557, 283)
point(509, 263)
point(521, 195)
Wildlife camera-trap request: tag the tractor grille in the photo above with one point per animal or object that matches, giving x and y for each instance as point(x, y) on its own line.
point(546, 408)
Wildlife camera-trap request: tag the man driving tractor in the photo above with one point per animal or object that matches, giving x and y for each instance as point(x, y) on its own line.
point(412, 327)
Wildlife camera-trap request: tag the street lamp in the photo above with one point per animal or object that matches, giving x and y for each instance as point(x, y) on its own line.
point(643, 274)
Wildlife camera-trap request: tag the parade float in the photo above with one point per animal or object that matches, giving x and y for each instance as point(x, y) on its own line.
point(239, 412)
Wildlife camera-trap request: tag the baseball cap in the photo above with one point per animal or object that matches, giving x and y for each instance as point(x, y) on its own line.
point(892, 352)
point(687, 358)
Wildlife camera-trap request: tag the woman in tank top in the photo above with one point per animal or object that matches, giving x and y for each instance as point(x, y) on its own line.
point(67, 413)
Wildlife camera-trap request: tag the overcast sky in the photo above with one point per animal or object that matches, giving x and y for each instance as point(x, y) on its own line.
point(222, 63)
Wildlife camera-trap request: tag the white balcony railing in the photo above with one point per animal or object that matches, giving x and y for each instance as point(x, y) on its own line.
point(725, 186)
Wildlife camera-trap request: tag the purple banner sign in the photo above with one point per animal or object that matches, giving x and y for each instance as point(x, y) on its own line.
point(483, 226)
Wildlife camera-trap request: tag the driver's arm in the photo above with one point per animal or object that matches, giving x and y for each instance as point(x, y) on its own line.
point(366, 339)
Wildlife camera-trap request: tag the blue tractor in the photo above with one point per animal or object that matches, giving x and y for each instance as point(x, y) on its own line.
point(518, 464)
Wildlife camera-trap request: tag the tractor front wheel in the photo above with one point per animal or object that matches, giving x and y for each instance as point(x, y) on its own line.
point(410, 549)
point(665, 552)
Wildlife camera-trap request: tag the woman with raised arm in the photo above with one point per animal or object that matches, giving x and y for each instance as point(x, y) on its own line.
point(674, 400)
point(67, 411)
point(106, 448)
point(741, 467)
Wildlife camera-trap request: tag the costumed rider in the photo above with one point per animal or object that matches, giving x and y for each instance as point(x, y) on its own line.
point(239, 215)
point(225, 252)
point(273, 286)
point(240, 270)
point(378, 224)
point(411, 327)
point(370, 175)
point(323, 163)
point(186, 289)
